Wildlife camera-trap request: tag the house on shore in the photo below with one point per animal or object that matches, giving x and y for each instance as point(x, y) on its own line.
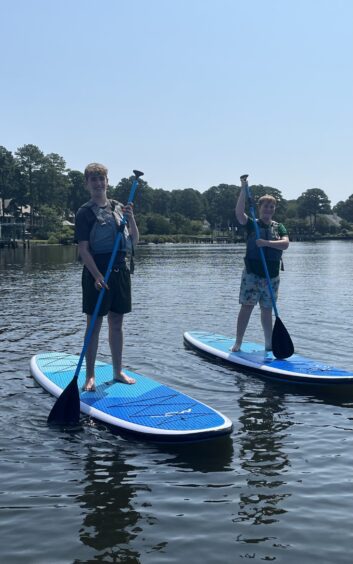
point(13, 222)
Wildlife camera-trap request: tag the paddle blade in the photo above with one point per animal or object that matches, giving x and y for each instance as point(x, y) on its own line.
point(66, 410)
point(282, 346)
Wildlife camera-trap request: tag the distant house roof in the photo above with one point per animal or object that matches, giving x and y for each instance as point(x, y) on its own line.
point(11, 202)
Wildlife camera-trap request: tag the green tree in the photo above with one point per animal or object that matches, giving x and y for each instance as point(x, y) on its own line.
point(291, 209)
point(143, 198)
point(141, 221)
point(122, 190)
point(322, 225)
point(311, 203)
point(157, 224)
point(29, 160)
point(193, 227)
point(187, 202)
point(77, 194)
point(179, 223)
point(50, 222)
point(345, 226)
point(54, 182)
point(219, 205)
point(296, 227)
point(8, 178)
point(161, 201)
point(345, 209)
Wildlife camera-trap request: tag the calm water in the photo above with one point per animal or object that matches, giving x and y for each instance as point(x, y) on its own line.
point(278, 489)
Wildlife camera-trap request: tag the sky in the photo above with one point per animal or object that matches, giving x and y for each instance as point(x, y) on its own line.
point(193, 92)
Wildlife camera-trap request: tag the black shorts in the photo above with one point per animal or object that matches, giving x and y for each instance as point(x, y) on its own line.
point(117, 299)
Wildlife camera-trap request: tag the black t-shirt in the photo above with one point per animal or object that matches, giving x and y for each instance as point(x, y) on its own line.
point(84, 221)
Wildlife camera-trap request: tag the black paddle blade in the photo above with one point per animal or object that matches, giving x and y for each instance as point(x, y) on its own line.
point(66, 410)
point(137, 173)
point(282, 346)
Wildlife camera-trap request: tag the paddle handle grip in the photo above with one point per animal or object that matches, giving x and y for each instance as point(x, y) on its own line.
point(261, 251)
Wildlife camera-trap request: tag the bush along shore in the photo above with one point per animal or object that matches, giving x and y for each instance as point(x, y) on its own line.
point(158, 239)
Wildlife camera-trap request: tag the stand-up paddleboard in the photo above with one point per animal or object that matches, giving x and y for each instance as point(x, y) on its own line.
point(253, 357)
point(146, 408)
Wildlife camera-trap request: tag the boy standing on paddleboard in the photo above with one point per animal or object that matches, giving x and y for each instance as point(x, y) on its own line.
point(96, 226)
point(254, 287)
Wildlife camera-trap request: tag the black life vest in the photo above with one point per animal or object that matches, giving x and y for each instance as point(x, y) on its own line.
point(269, 233)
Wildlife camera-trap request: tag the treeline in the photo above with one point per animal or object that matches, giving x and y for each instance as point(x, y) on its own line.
point(54, 193)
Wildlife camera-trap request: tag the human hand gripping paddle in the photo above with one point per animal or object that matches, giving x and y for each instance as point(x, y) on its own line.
point(282, 346)
point(66, 410)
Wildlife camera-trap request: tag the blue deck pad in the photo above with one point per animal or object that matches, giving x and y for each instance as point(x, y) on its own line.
point(146, 402)
point(255, 356)
point(160, 408)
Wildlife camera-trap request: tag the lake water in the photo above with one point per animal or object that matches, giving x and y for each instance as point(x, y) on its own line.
point(278, 489)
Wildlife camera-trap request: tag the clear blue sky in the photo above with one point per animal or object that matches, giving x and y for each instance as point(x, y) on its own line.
point(193, 92)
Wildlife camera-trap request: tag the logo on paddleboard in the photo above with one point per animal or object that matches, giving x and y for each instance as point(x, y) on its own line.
point(173, 413)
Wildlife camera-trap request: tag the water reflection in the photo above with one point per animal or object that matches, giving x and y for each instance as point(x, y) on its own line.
point(39, 257)
point(208, 456)
point(120, 500)
point(110, 518)
point(262, 435)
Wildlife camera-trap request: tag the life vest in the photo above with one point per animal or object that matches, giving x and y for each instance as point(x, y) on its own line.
point(268, 232)
point(105, 229)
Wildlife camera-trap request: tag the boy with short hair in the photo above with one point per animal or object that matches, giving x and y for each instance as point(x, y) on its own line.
point(96, 227)
point(254, 288)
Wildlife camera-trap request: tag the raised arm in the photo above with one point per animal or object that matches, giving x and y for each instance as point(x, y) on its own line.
point(240, 207)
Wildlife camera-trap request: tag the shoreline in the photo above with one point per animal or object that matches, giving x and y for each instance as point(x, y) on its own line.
point(175, 240)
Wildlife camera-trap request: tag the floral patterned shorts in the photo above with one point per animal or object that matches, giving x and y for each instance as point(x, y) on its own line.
point(254, 289)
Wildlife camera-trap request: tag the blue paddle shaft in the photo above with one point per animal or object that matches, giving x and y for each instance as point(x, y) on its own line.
point(106, 278)
point(262, 254)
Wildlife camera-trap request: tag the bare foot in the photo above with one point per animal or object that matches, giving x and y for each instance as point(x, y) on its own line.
point(236, 347)
point(124, 378)
point(89, 385)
